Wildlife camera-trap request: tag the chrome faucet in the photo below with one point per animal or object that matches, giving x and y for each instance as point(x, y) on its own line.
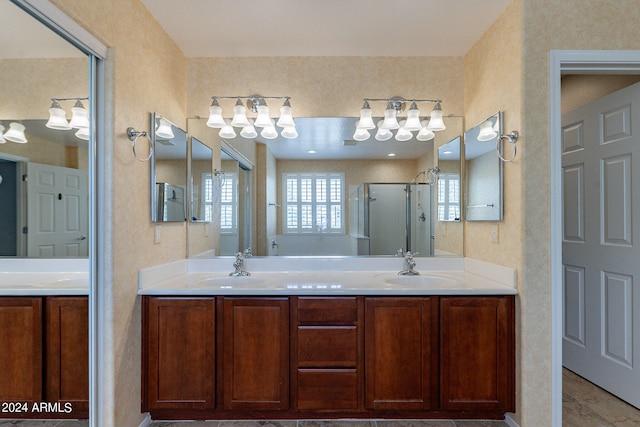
point(248, 253)
point(239, 266)
point(409, 264)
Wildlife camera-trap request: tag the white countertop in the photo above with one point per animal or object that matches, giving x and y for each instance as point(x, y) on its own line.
point(328, 276)
point(42, 277)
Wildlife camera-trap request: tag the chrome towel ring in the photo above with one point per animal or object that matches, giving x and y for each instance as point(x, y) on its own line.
point(133, 137)
point(511, 138)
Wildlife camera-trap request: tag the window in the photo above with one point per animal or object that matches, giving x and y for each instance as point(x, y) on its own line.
point(229, 204)
point(313, 203)
point(448, 197)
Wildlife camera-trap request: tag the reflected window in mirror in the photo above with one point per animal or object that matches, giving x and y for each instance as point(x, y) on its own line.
point(168, 171)
point(201, 181)
point(483, 171)
point(449, 168)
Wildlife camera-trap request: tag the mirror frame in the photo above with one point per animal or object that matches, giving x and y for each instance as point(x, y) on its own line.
point(500, 196)
point(153, 180)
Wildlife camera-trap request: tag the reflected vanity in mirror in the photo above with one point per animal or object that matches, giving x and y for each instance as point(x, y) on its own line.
point(168, 171)
point(483, 171)
point(325, 145)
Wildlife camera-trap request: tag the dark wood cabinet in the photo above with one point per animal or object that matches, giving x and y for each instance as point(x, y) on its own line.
point(401, 358)
point(477, 353)
point(21, 345)
point(179, 354)
point(256, 353)
point(67, 352)
point(326, 363)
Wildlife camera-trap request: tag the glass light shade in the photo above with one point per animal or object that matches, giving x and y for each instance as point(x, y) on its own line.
point(57, 119)
point(239, 117)
point(286, 118)
point(289, 132)
point(413, 119)
point(249, 132)
point(390, 121)
point(269, 132)
point(263, 119)
point(80, 117)
point(383, 134)
point(403, 134)
point(16, 133)
point(164, 130)
point(83, 133)
point(425, 134)
point(227, 131)
point(215, 117)
point(2, 140)
point(486, 131)
point(361, 134)
point(435, 123)
point(366, 121)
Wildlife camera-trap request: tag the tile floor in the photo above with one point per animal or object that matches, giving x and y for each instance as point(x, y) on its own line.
point(583, 405)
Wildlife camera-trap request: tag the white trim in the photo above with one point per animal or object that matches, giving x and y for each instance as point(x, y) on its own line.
point(510, 421)
point(146, 421)
point(47, 13)
point(562, 62)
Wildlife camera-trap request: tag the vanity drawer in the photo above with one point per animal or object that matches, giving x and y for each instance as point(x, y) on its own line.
point(329, 311)
point(327, 346)
point(327, 389)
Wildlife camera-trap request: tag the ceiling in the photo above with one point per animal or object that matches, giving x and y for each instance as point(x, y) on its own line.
point(205, 28)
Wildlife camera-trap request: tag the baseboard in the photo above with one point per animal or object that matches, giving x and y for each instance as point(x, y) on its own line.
point(510, 421)
point(146, 421)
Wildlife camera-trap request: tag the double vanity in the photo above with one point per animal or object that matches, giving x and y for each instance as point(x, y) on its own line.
point(328, 338)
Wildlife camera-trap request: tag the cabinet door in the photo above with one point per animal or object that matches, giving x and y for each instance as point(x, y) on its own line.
point(179, 359)
point(476, 353)
point(401, 353)
point(256, 353)
point(67, 356)
point(20, 350)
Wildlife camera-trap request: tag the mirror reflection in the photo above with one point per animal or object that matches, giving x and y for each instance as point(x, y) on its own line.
point(41, 169)
point(483, 171)
point(201, 182)
point(305, 189)
point(168, 171)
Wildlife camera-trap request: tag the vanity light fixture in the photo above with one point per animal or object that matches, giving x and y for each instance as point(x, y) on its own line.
point(16, 133)
point(256, 104)
point(395, 106)
point(79, 118)
point(487, 133)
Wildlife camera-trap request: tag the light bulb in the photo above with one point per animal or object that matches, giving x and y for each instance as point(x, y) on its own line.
point(263, 118)
point(57, 118)
point(239, 115)
point(80, 117)
point(16, 133)
point(366, 121)
point(413, 118)
point(286, 117)
point(361, 135)
point(486, 131)
point(215, 115)
point(227, 131)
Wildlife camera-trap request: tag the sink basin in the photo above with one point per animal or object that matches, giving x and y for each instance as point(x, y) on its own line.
point(419, 281)
point(230, 281)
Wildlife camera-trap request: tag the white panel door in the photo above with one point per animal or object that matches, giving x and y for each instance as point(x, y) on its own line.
point(601, 242)
point(57, 211)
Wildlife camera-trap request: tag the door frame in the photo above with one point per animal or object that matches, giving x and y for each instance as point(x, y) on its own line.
point(569, 62)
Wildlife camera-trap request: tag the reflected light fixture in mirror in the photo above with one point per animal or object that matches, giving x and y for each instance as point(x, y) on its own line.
point(16, 133)
point(164, 129)
point(79, 118)
point(395, 106)
point(256, 104)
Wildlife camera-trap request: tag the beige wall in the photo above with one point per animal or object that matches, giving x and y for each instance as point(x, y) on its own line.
point(578, 90)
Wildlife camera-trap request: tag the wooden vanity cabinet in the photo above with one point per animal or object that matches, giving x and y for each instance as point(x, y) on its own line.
point(401, 356)
point(255, 367)
point(179, 353)
point(477, 348)
point(21, 344)
point(327, 357)
point(44, 354)
point(67, 352)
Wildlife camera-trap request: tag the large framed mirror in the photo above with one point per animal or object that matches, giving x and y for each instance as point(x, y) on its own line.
point(483, 171)
point(168, 171)
point(325, 145)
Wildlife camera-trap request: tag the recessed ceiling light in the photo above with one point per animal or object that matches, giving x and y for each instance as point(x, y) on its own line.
point(391, 154)
point(448, 152)
point(311, 151)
